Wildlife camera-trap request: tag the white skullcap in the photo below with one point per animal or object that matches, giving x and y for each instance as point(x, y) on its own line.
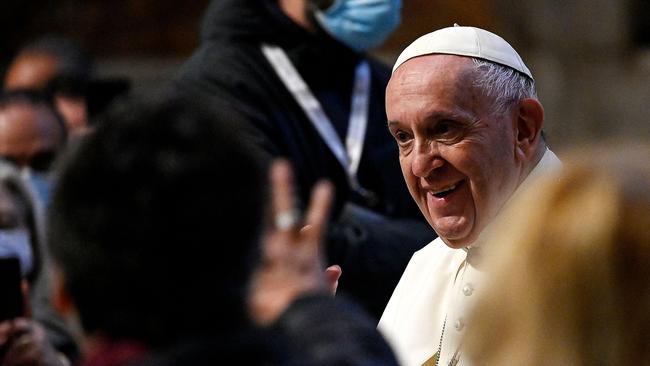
point(465, 41)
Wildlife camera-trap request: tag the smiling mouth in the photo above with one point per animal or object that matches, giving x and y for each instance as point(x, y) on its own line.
point(446, 191)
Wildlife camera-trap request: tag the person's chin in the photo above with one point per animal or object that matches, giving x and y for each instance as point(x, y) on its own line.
point(457, 243)
point(456, 236)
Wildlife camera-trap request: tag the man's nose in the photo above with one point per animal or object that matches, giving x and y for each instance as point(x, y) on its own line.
point(426, 160)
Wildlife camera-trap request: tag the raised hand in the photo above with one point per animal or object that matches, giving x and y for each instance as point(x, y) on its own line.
point(23, 343)
point(291, 263)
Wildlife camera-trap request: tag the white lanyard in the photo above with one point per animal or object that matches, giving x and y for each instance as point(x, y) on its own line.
point(350, 155)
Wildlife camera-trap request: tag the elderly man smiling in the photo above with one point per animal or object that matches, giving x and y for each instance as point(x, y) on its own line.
point(462, 106)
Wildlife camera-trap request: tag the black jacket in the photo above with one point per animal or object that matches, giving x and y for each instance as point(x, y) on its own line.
point(316, 330)
point(229, 65)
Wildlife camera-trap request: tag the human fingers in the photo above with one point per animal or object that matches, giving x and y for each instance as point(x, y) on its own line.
point(332, 275)
point(28, 345)
point(27, 307)
point(21, 324)
point(19, 340)
point(318, 211)
point(282, 196)
point(5, 331)
point(14, 329)
point(281, 217)
point(22, 350)
point(305, 229)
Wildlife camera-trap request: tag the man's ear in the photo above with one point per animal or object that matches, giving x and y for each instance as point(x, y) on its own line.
point(61, 300)
point(530, 120)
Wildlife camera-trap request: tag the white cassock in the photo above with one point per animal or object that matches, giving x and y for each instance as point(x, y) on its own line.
point(427, 312)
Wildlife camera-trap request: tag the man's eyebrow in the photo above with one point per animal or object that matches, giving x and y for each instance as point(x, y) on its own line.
point(440, 116)
point(458, 116)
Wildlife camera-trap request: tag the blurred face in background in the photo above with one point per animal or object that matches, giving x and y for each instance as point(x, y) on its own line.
point(35, 71)
point(30, 71)
point(360, 25)
point(30, 136)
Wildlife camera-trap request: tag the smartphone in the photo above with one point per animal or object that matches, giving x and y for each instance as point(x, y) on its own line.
point(11, 294)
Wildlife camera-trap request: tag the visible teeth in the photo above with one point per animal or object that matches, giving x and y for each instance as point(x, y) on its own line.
point(445, 190)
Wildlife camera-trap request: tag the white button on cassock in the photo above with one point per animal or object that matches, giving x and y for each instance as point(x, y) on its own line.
point(468, 289)
point(459, 324)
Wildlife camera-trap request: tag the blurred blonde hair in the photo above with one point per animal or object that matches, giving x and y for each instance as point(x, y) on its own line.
point(569, 268)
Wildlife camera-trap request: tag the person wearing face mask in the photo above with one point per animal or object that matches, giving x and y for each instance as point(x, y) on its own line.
point(298, 71)
point(32, 134)
point(38, 336)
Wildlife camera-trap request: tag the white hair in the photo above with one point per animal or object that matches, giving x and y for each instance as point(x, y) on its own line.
point(503, 84)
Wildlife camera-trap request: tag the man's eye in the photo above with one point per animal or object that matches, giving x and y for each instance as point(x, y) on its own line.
point(444, 128)
point(401, 136)
point(449, 131)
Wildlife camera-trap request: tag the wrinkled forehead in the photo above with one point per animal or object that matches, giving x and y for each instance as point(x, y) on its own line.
point(437, 74)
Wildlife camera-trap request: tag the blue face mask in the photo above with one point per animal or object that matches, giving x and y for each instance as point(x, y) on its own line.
point(361, 24)
point(39, 183)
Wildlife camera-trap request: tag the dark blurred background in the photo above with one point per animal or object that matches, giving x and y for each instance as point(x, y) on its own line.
point(591, 58)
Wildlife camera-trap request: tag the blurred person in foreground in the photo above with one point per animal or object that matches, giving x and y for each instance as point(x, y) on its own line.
point(298, 70)
point(463, 110)
point(34, 337)
point(155, 227)
point(570, 268)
